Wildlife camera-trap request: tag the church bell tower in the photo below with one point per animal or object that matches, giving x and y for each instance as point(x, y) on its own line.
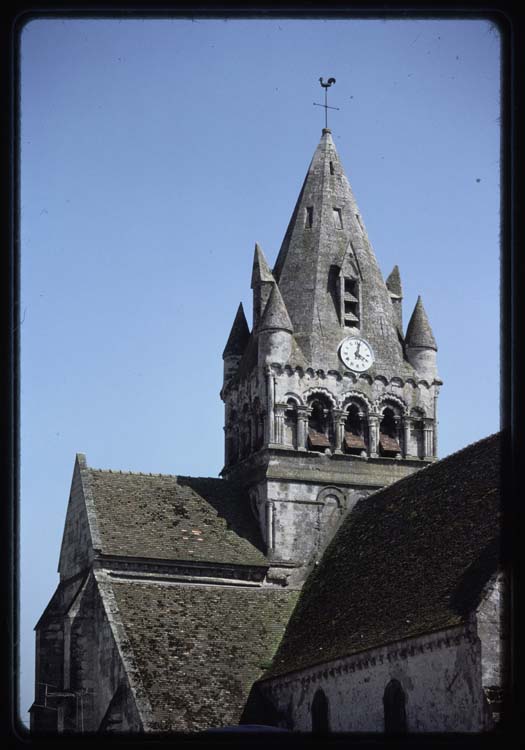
point(326, 399)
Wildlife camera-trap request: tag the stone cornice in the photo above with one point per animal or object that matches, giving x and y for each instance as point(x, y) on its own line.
point(392, 652)
point(128, 566)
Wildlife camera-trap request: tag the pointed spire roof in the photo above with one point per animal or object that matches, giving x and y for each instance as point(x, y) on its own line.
point(261, 270)
point(419, 332)
point(275, 314)
point(393, 282)
point(239, 335)
point(325, 239)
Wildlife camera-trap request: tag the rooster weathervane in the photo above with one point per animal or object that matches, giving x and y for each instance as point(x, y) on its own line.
point(326, 86)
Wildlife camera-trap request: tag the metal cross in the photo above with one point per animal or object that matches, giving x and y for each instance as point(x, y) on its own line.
point(326, 86)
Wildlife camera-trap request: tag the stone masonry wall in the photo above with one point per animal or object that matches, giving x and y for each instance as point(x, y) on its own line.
point(439, 674)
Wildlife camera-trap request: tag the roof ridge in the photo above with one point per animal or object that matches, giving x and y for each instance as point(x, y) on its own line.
point(153, 474)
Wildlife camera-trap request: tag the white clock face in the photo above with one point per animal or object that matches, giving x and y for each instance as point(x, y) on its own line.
point(356, 354)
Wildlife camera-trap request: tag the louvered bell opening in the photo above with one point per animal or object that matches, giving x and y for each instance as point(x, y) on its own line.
point(317, 440)
point(354, 442)
point(350, 297)
point(389, 446)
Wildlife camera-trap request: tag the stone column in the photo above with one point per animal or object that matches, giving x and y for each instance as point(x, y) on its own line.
point(339, 429)
point(407, 429)
point(279, 423)
point(227, 445)
point(361, 416)
point(302, 427)
point(428, 430)
point(373, 431)
point(270, 393)
point(397, 422)
point(269, 525)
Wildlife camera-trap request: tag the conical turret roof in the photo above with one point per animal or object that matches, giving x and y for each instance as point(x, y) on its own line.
point(393, 282)
point(239, 335)
point(325, 233)
point(419, 332)
point(261, 270)
point(275, 314)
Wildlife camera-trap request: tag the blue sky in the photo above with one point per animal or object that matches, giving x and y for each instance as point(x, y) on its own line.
point(155, 153)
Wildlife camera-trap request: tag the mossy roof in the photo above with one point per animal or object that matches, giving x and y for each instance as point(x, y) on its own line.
point(175, 518)
point(411, 559)
point(199, 649)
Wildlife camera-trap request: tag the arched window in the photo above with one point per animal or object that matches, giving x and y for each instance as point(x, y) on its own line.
point(320, 426)
point(355, 426)
point(320, 720)
point(394, 701)
point(388, 433)
point(290, 423)
point(417, 434)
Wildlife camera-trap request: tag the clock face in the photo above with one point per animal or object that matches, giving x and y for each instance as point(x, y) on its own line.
point(356, 354)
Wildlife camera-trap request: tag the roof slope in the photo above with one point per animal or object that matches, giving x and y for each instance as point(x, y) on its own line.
point(175, 518)
point(410, 559)
point(199, 649)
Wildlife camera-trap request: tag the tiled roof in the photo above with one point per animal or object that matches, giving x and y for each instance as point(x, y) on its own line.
point(199, 649)
point(410, 559)
point(175, 518)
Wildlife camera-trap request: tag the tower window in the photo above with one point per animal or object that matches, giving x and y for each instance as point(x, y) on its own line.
point(338, 218)
point(309, 217)
point(388, 434)
point(320, 424)
point(354, 441)
point(350, 302)
point(332, 171)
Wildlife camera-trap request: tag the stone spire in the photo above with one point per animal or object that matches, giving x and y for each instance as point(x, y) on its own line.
point(262, 284)
point(275, 339)
point(420, 344)
point(276, 316)
point(419, 333)
point(393, 282)
point(260, 270)
point(326, 239)
point(239, 335)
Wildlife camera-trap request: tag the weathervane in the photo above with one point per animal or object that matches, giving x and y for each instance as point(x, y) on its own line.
point(326, 86)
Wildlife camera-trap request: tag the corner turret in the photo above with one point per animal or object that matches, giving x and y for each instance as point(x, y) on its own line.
point(275, 331)
point(420, 344)
point(393, 284)
point(236, 344)
point(262, 284)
